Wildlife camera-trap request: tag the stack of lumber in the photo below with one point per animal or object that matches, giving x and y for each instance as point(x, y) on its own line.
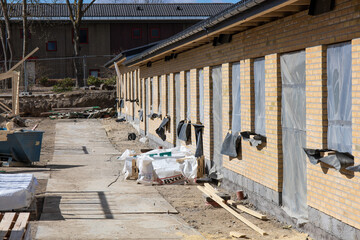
point(227, 205)
point(14, 226)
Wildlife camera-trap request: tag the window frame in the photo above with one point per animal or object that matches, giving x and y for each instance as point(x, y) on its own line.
point(132, 33)
point(159, 32)
point(94, 70)
point(47, 46)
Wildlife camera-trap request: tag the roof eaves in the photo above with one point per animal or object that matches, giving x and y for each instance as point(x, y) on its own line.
point(198, 29)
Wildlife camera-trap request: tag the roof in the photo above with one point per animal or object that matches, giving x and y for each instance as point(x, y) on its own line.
point(125, 11)
point(239, 17)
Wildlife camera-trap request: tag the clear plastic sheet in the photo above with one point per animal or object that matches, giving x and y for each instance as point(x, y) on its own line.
point(236, 98)
point(152, 95)
point(293, 120)
point(199, 129)
point(201, 94)
point(177, 101)
point(259, 78)
point(339, 97)
point(121, 103)
point(188, 96)
point(185, 132)
point(160, 96)
point(231, 145)
point(216, 77)
point(141, 114)
point(160, 131)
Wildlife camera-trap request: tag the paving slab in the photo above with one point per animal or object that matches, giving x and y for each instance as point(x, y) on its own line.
point(80, 204)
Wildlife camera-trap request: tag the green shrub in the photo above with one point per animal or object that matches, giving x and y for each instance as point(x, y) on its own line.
point(44, 81)
point(110, 81)
point(94, 81)
point(64, 85)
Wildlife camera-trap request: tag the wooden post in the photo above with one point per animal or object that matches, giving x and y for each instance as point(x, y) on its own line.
point(15, 93)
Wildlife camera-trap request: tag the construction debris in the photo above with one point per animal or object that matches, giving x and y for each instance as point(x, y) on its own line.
point(237, 235)
point(211, 192)
point(161, 166)
point(86, 112)
point(15, 226)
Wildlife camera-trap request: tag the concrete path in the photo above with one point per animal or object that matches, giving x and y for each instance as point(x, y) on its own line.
point(80, 205)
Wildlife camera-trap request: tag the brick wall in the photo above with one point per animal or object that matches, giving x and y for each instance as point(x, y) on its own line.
point(334, 193)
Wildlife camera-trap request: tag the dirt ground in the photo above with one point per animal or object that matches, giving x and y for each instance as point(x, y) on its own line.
point(212, 223)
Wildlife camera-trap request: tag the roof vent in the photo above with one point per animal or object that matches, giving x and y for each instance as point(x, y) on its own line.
point(179, 8)
point(139, 8)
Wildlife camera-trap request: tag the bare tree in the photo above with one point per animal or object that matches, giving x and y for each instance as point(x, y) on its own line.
point(6, 35)
point(77, 9)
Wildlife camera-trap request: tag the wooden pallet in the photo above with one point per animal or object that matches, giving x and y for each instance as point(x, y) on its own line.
point(14, 226)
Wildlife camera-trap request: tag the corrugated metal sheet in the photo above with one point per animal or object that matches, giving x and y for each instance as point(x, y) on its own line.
point(44, 10)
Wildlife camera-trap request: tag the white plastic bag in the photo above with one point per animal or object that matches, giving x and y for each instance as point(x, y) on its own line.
point(145, 166)
point(126, 154)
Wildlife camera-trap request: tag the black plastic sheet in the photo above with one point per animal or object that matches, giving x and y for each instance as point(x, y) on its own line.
point(153, 115)
point(231, 145)
point(185, 131)
point(141, 114)
point(254, 139)
point(160, 131)
point(334, 159)
point(121, 103)
point(199, 129)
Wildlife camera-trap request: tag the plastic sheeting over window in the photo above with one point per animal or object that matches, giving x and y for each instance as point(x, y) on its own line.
point(293, 116)
point(188, 96)
point(159, 92)
point(216, 77)
point(168, 94)
point(339, 97)
point(201, 94)
point(177, 101)
point(236, 98)
point(152, 95)
point(259, 78)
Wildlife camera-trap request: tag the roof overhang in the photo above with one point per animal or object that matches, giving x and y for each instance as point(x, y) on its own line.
point(258, 15)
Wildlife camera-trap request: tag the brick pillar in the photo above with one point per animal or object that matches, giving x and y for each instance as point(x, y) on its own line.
point(182, 95)
point(274, 154)
point(247, 95)
point(207, 113)
point(194, 90)
point(155, 94)
point(355, 99)
point(316, 97)
point(172, 109)
point(226, 100)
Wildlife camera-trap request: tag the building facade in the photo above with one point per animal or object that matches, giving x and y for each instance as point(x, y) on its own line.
point(282, 74)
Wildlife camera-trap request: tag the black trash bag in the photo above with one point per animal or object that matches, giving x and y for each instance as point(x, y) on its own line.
point(185, 132)
point(199, 140)
point(121, 103)
point(254, 141)
point(131, 136)
point(160, 131)
point(231, 145)
point(141, 113)
point(337, 160)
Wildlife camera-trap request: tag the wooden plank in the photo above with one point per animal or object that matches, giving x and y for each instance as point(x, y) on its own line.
point(231, 203)
point(23, 60)
point(220, 201)
point(200, 170)
point(19, 228)
point(6, 107)
point(210, 188)
point(5, 224)
point(251, 212)
point(237, 234)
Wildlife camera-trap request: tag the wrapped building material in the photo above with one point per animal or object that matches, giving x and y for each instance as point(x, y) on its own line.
point(16, 191)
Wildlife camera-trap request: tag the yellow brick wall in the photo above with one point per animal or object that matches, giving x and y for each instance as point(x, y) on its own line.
point(328, 190)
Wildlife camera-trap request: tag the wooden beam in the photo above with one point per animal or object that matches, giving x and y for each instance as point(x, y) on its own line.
point(23, 60)
point(15, 93)
point(19, 228)
point(220, 201)
point(237, 235)
point(251, 212)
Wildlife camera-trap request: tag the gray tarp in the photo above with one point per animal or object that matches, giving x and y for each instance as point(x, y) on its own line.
point(236, 98)
point(339, 97)
point(201, 95)
point(121, 103)
point(216, 77)
point(259, 79)
point(152, 95)
point(184, 131)
point(146, 105)
point(232, 144)
point(141, 114)
point(199, 140)
point(293, 120)
point(188, 96)
point(177, 101)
